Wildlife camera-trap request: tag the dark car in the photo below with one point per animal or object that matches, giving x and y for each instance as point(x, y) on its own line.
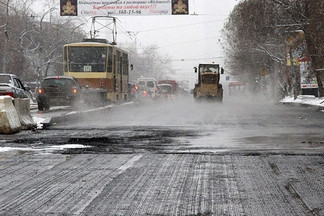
point(132, 91)
point(143, 94)
point(12, 86)
point(58, 91)
point(32, 86)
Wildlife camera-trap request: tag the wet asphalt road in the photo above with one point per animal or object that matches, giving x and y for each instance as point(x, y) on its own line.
point(247, 157)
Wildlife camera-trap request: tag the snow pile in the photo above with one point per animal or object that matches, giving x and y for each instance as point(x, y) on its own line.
point(46, 149)
point(39, 121)
point(305, 100)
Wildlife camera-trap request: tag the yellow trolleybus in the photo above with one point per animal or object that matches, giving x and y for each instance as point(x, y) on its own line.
point(100, 67)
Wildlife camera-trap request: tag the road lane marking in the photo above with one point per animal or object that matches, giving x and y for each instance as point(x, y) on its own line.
point(96, 193)
point(130, 163)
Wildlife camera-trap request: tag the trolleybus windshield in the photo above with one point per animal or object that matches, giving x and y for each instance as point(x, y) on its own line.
point(87, 59)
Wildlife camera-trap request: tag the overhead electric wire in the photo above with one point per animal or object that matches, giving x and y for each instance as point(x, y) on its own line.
point(195, 59)
point(188, 42)
point(137, 42)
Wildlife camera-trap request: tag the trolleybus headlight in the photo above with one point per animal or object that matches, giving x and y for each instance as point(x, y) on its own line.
point(74, 90)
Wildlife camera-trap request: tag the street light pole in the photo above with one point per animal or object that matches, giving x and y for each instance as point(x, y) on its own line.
point(75, 29)
point(292, 71)
point(41, 20)
point(291, 41)
point(42, 40)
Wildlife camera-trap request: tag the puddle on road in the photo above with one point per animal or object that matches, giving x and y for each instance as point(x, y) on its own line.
point(128, 140)
point(133, 141)
point(112, 140)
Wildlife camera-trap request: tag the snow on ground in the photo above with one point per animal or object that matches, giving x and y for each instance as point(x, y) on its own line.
point(48, 149)
point(39, 121)
point(305, 100)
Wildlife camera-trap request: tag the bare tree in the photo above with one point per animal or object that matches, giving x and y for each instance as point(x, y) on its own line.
point(253, 43)
point(255, 34)
point(149, 63)
point(308, 15)
point(35, 41)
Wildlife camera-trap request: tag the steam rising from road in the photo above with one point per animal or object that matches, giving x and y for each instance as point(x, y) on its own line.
point(183, 111)
point(241, 123)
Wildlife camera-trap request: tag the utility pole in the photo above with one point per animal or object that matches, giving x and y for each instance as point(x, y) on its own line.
point(5, 44)
point(42, 40)
point(292, 71)
point(72, 33)
point(290, 41)
point(42, 18)
point(276, 80)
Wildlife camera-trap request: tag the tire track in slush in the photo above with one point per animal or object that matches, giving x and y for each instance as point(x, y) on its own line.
point(121, 169)
point(167, 184)
point(295, 180)
point(121, 188)
point(264, 190)
point(64, 187)
point(34, 193)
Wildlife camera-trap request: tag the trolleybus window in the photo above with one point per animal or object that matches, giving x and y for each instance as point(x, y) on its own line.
point(110, 59)
point(65, 60)
point(87, 59)
point(125, 64)
point(118, 62)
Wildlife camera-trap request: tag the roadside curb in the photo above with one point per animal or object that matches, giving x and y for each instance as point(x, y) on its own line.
point(71, 116)
point(313, 107)
point(74, 115)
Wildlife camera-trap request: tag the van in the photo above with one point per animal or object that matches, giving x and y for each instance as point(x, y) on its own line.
point(149, 84)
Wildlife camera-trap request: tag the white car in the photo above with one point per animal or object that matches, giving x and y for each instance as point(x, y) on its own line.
point(12, 86)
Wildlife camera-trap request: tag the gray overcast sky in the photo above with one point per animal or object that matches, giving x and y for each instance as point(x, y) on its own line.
point(193, 38)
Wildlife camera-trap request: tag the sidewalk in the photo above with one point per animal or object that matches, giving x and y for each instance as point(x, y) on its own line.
point(305, 100)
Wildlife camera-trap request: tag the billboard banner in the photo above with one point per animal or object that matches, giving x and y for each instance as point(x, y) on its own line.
point(123, 7)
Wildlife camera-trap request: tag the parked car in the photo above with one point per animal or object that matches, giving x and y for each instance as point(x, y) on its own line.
point(12, 86)
point(58, 91)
